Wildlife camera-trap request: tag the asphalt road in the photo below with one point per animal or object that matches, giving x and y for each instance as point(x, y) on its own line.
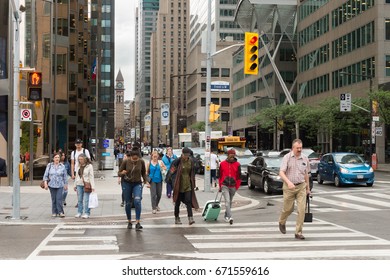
point(350, 223)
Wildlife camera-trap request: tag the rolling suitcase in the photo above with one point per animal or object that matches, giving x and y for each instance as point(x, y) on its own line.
point(212, 209)
point(308, 215)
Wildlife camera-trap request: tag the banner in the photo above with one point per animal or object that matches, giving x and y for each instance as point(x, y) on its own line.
point(147, 121)
point(165, 113)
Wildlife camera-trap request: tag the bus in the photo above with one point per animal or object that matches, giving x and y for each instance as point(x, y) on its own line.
point(227, 141)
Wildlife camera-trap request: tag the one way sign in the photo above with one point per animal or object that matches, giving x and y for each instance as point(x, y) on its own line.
point(345, 102)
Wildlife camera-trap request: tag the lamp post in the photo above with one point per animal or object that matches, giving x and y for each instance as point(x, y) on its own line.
point(152, 120)
point(372, 123)
point(275, 136)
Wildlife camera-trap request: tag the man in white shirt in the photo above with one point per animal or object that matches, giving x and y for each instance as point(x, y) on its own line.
point(74, 163)
point(214, 163)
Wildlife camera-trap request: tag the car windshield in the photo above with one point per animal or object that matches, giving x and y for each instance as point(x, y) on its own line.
point(273, 162)
point(349, 159)
point(245, 160)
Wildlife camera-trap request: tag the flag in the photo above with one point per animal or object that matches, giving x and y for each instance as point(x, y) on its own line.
point(94, 69)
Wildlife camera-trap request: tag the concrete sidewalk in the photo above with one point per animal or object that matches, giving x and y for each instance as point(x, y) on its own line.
point(35, 203)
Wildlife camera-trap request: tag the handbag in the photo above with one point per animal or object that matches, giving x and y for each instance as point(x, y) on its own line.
point(308, 215)
point(87, 186)
point(42, 184)
point(93, 201)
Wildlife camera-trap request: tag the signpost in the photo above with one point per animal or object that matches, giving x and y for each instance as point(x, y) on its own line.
point(345, 102)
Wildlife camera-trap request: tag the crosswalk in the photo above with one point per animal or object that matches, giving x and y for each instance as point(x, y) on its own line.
point(263, 241)
point(347, 201)
point(240, 241)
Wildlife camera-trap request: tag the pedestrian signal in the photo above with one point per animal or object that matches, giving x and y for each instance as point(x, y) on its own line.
point(34, 86)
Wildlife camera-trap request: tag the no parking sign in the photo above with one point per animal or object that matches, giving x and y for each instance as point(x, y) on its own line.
point(25, 115)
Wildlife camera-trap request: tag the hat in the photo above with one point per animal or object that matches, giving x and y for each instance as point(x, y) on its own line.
point(186, 150)
point(231, 152)
point(78, 141)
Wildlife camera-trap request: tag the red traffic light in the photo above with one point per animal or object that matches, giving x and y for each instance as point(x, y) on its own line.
point(253, 40)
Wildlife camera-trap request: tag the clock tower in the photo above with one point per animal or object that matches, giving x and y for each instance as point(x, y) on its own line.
point(119, 108)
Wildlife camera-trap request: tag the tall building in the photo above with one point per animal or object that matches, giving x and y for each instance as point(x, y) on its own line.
point(225, 32)
point(146, 24)
point(168, 69)
point(119, 107)
point(343, 47)
point(103, 56)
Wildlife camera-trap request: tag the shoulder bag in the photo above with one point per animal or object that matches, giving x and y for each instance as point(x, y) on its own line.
point(87, 185)
point(42, 184)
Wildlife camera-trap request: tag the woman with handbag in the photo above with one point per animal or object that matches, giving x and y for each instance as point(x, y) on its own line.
point(155, 171)
point(84, 185)
point(56, 179)
point(133, 171)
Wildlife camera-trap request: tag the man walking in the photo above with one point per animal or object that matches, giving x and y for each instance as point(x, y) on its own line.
point(229, 181)
point(294, 171)
point(214, 163)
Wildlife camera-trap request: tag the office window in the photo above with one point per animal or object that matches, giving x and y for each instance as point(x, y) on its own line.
point(387, 29)
point(225, 72)
point(225, 102)
point(388, 63)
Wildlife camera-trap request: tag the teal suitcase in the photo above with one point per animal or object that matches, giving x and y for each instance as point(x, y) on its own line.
point(212, 209)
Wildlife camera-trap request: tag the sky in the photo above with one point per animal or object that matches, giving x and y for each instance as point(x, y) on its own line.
point(125, 43)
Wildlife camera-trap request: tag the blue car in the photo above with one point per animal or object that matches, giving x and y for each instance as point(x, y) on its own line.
point(344, 169)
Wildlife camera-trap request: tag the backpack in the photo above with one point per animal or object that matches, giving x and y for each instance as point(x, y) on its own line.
point(74, 153)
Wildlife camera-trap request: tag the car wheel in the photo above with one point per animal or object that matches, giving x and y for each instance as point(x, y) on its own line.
point(370, 184)
point(251, 186)
point(319, 179)
point(337, 182)
point(266, 187)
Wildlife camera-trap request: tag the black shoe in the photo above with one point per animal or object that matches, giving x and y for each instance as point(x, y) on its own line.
point(122, 204)
point(299, 236)
point(197, 189)
point(282, 228)
point(129, 226)
point(138, 227)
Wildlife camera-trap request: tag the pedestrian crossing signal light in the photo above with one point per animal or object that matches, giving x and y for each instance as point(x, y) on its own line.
point(213, 116)
point(251, 53)
point(34, 86)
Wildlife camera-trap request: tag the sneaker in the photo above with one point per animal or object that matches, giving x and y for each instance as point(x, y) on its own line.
point(62, 215)
point(54, 215)
point(85, 216)
point(231, 221)
point(227, 219)
point(129, 226)
point(138, 227)
point(154, 211)
point(158, 209)
point(78, 215)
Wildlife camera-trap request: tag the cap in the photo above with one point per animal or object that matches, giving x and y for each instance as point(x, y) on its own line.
point(186, 150)
point(78, 141)
point(231, 152)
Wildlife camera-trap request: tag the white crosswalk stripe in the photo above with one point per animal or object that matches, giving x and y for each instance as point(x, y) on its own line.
point(323, 241)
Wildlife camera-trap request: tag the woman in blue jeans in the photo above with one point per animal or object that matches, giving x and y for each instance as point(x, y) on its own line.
point(83, 174)
point(133, 173)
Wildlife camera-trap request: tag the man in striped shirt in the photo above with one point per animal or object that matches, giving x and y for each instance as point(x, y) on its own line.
point(294, 171)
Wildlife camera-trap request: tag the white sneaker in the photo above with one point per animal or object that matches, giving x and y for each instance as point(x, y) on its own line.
point(85, 216)
point(154, 211)
point(78, 215)
point(227, 219)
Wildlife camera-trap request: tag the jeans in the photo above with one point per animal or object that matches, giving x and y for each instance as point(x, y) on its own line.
point(83, 200)
point(56, 200)
point(186, 198)
point(228, 194)
point(155, 194)
point(64, 195)
point(135, 190)
point(169, 190)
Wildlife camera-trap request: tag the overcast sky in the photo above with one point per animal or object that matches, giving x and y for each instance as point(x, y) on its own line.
point(125, 43)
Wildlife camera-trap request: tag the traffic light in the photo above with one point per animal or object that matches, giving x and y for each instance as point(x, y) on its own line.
point(251, 53)
point(213, 116)
point(34, 86)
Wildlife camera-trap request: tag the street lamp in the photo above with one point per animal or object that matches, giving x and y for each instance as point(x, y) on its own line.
point(275, 136)
point(372, 135)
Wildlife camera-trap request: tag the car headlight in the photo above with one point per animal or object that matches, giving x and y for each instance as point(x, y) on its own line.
point(275, 177)
point(344, 170)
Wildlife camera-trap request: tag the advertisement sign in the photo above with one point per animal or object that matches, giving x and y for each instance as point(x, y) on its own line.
point(165, 113)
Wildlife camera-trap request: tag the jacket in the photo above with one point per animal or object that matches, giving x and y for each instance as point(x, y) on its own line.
point(87, 176)
point(135, 171)
point(229, 170)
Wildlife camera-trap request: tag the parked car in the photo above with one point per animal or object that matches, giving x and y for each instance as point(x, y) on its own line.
point(314, 159)
point(244, 162)
point(263, 172)
point(345, 169)
point(39, 167)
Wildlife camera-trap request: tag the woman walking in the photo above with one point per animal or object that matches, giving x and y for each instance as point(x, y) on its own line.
point(167, 159)
point(66, 163)
point(133, 172)
point(84, 174)
point(155, 169)
point(56, 179)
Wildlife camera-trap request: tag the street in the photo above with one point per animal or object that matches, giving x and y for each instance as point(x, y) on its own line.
point(348, 224)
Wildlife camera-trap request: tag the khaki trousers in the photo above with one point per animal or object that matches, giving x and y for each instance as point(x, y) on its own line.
point(289, 197)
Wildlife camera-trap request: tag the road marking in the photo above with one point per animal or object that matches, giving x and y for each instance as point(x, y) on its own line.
point(85, 238)
point(365, 200)
point(344, 204)
point(380, 195)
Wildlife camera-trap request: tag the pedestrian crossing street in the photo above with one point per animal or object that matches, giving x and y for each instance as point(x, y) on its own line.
point(346, 201)
point(240, 241)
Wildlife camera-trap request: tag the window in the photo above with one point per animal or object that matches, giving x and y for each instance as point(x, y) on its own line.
point(225, 72)
point(387, 29)
point(388, 65)
point(225, 102)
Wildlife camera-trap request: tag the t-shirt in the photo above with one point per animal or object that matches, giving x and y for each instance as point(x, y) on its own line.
point(213, 161)
point(75, 155)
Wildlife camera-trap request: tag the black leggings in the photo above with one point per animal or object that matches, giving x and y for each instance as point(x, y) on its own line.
point(186, 198)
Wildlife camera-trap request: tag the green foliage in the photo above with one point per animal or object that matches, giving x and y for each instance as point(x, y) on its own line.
point(383, 98)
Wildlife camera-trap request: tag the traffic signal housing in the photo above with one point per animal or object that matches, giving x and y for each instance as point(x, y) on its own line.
point(213, 116)
point(34, 86)
point(251, 53)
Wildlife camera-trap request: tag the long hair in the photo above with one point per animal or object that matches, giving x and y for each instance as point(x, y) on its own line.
point(86, 159)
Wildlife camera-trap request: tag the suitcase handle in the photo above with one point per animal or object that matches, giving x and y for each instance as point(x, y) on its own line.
point(308, 202)
point(217, 197)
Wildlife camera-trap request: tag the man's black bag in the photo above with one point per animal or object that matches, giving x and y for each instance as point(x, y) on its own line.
point(308, 215)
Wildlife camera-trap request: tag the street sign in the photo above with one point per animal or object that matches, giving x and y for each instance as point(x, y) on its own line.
point(25, 115)
point(345, 102)
point(378, 131)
